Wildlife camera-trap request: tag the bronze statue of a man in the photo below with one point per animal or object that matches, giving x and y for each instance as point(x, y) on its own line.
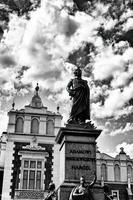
point(79, 91)
point(82, 191)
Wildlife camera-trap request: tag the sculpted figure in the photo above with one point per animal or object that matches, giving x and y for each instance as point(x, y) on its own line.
point(106, 193)
point(79, 91)
point(82, 191)
point(51, 192)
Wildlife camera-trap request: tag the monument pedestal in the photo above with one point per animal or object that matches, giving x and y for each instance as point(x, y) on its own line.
point(77, 158)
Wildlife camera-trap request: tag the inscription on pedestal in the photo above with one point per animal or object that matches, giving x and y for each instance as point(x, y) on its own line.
point(80, 161)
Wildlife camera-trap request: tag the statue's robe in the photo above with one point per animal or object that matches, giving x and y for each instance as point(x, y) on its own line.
point(79, 91)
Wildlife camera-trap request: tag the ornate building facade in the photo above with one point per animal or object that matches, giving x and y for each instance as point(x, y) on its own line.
point(30, 160)
point(116, 173)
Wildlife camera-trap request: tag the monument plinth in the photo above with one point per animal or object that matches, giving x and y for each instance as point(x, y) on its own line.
point(78, 146)
point(77, 156)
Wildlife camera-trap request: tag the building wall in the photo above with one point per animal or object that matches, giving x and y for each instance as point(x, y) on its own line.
point(56, 165)
point(8, 171)
point(31, 141)
point(27, 120)
point(118, 178)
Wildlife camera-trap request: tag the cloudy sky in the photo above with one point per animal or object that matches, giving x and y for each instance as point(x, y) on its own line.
point(59, 35)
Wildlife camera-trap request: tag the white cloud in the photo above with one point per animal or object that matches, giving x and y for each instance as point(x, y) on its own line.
point(127, 14)
point(117, 99)
point(124, 111)
point(125, 130)
point(107, 63)
point(44, 42)
point(100, 9)
point(128, 55)
point(122, 78)
point(128, 25)
point(110, 24)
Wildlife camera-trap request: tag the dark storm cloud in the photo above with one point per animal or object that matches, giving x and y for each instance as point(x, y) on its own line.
point(69, 27)
point(20, 86)
point(127, 36)
point(82, 56)
point(7, 61)
point(3, 81)
point(21, 72)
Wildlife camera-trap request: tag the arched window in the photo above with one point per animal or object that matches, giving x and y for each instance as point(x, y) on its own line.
point(50, 127)
point(19, 125)
point(129, 172)
point(104, 172)
point(117, 172)
point(35, 126)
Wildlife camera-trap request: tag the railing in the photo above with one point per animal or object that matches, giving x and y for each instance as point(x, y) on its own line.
point(29, 194)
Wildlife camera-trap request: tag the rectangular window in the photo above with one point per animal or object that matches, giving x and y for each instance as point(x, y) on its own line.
point(26, 164)
point(38, 180)
point(32, 180)
point(39, 164)
point(25, 179)
point(32, 164)
point(115, 194)
point(32, 174)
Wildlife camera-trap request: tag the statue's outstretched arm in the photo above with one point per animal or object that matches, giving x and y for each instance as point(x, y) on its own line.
point(71, 194)
point(94, 181)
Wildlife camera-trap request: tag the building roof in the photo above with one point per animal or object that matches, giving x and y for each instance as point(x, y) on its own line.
point(36, 106)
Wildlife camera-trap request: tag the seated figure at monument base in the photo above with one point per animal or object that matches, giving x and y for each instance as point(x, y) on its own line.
point(82, 191)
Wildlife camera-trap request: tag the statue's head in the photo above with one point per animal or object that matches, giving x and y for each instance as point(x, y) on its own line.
point(77, 72)
point(82, 180)
point(51, 186)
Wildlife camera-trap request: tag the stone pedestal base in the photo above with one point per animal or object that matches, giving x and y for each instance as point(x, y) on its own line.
point(77, 153)
point(77, 158)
